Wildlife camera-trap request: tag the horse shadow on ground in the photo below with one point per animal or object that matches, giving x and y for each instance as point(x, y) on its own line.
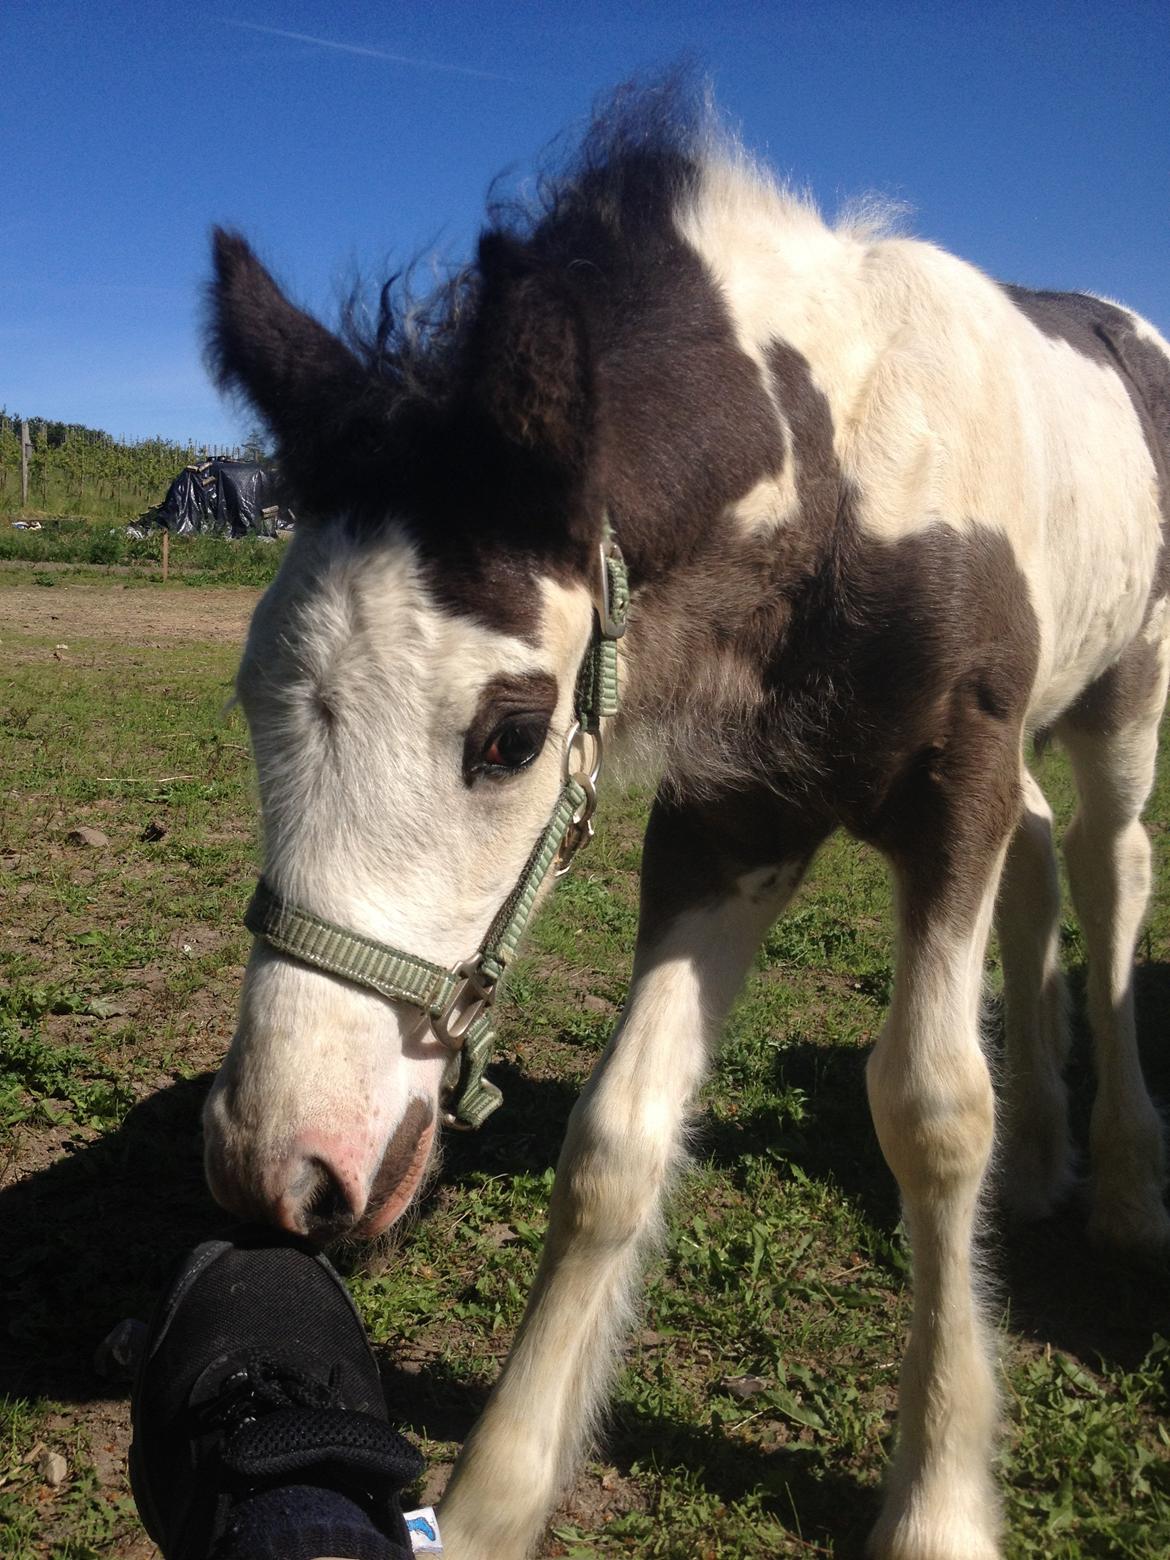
point(1054, 1285)
point(792, 1481)
point(93, 1237)
point(1046, 1279)
point(437, 1403)
point(525, 1135)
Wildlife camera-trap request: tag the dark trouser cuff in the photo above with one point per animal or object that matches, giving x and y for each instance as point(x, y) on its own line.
point(303, 1522)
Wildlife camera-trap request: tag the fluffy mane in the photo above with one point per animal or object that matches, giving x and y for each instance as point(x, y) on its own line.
point(641, 154)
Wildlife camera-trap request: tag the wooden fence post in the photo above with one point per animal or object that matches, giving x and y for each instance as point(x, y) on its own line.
point(25, 447)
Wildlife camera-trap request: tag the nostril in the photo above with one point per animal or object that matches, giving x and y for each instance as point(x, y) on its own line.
point(326, 1209)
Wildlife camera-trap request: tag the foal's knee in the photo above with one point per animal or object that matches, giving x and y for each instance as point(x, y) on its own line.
point(936, 1134)
point(616, 1163)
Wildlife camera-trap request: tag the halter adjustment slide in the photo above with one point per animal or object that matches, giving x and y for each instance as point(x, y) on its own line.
point(470, 1000)
point(613, 606)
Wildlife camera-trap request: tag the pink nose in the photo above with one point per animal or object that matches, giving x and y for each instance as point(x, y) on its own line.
point(323, 1194)
point(326, 1186)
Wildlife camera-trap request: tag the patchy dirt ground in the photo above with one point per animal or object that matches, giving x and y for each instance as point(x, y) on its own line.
point(130, 614)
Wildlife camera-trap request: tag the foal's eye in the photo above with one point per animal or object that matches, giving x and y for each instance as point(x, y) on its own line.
point(514, 744)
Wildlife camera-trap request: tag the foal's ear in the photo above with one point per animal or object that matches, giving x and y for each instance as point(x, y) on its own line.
point(530, 367)
point(307, 385)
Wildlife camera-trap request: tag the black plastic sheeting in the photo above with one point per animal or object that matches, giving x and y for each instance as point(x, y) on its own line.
point(222, 498)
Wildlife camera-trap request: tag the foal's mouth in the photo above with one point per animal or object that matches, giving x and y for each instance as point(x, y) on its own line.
point(400, 1174)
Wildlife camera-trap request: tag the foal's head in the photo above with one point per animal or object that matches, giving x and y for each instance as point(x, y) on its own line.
point(408, 681)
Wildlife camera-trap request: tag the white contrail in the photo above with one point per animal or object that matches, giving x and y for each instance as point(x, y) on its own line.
point(373, 54)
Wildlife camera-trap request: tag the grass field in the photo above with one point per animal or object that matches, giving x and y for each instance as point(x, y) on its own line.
point(753, 1413)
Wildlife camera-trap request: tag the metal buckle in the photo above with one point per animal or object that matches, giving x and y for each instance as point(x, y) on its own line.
point(452, 1122)
point(610, 627)
point(578, 834)
point(461, 1009)
point(583, 753)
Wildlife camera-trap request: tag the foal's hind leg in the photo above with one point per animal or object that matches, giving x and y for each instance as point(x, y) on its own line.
point(1112, 739)
point(702, 919)
point(1036, 1162)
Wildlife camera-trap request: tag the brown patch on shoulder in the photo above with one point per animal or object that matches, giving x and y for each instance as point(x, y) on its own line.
point(894, 709)
point(940, 651)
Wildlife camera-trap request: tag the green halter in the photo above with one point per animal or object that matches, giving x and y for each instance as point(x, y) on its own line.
point(458, 1002)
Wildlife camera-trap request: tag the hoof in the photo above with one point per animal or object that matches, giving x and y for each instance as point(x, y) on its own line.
point(485, 1530)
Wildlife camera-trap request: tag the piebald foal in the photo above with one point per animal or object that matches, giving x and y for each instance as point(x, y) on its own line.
point(884, 520)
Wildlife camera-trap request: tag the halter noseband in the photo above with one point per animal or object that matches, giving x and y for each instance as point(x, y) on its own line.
point(458, 1002)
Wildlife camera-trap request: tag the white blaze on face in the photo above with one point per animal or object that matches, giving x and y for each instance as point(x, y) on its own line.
point(359, 692)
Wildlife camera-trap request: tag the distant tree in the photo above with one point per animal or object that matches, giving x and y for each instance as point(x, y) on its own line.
point(256, 447)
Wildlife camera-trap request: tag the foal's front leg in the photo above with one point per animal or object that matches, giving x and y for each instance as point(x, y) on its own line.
point(700, 926)
point(931, 1097)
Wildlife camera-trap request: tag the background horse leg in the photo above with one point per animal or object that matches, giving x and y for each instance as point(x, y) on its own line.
point(702, 919)
point(1037, 1161)
point(1112, 739)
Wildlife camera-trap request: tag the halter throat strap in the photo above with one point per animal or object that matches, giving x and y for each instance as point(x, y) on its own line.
point(458, 1002)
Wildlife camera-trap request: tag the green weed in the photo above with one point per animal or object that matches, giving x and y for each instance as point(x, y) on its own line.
point(81, 544)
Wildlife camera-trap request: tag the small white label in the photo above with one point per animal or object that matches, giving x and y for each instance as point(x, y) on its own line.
point(423, 1527)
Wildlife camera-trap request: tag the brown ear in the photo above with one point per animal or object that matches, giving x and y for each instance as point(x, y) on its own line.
point(530, 367)
point(310, 389)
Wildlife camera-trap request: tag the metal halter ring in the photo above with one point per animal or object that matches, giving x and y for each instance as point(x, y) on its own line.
point(582, 765)
point(474, 994)
point(583, 755)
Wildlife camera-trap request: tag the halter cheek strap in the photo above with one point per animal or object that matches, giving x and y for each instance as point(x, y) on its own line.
point(458, 1002)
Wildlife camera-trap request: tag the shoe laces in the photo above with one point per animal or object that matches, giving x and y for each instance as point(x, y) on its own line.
point(261, 1386)
point(272, 1421)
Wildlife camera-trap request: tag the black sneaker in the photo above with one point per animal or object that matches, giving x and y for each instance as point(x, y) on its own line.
point(258, 1413)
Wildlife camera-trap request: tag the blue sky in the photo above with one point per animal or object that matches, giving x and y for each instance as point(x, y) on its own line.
point(1033, 139)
